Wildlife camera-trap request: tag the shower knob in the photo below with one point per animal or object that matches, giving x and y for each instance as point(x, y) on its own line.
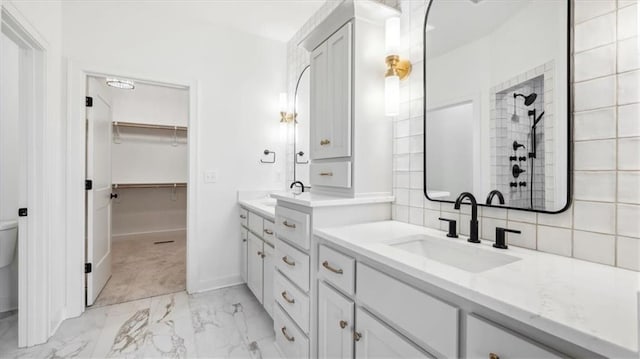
point(517, 145)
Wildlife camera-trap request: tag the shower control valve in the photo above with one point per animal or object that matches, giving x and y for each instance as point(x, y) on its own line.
point(522, 158)
point(513, 184)
point(522, 184)
point(516, 171)
point(513, 158)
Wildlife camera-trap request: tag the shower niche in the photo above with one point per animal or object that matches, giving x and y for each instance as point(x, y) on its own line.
point(496, 109)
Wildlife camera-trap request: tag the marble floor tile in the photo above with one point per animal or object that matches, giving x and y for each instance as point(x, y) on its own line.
point(142, 269)
point(225, 323)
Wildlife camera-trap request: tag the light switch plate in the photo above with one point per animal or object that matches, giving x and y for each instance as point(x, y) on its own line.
point(211, 176)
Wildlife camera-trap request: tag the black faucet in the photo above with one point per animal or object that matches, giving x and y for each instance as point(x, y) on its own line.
point(473, 224)
point(297, 183)
point(494, 193)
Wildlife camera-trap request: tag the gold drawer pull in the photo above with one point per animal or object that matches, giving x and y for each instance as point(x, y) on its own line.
point(324, 142)
point(494, 356)
point(269, 232)
point(243, 216)
point(286, 224)
point(330, 174)
point(334, 270)
point(343, 324)
point(284, 332)
point(357, 336)
point(286, 260)
point(286, 297)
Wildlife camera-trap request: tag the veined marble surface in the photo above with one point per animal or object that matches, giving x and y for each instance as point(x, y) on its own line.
point(226, 323)
point(592, 305)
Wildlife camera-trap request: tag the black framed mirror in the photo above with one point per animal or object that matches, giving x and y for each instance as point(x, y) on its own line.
point(301, 127)
point(496, 105)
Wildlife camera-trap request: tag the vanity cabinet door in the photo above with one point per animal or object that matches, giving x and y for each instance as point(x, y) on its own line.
point(269, 268)
point(335, 324)
point(376, 340)
point(254, 266)
point(244, 236)
point(331, 96)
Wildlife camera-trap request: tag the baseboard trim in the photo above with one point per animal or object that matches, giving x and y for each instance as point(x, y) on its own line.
point(218, 283)
point(121, 236)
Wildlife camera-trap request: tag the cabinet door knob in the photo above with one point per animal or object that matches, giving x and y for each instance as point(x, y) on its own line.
point(324, 142)
point(343, 324)
point(268, 231)
point(494, 356)
point(286, 224)
point(284, 332)
point(261, 254)
point(286, 297)
point(243, 216)
point(357, 336)
point(244, 239)
point(288, 262)
point(329, 267)
point(329, 174)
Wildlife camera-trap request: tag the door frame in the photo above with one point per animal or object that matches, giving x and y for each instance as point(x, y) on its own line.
point(77, 74)
point(34, 264)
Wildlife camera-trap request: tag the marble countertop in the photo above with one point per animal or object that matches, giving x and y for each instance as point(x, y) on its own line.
point(266, 207)
point(310, 199)
point(592, 305)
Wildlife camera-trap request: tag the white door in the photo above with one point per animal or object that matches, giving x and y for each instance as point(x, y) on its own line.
point(376, 340)
point(335, 324)
point(99, 197)
point(254, 266)
point(268, 272)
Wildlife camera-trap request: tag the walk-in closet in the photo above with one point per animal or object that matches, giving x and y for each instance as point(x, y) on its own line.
point(136, 206)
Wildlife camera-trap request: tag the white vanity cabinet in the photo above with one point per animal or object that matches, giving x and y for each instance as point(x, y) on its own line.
point(331, 96)
point(257, 256)
point(255, 266)
point(335, 323)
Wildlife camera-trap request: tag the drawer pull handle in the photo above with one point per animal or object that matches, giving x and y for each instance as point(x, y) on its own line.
point(343, 324)
point(357, 336)
point(288, 262)
point(324, 142)
point(334, 270)
point(330, 174)
point(494, 356)
point(269, 232)
point(261, 254)
point(243, 216)
point(286, 224)
point(284, 332)
point(286, 297)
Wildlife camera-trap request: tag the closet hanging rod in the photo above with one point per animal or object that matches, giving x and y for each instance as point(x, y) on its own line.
point(149, 185)
point(149, 126)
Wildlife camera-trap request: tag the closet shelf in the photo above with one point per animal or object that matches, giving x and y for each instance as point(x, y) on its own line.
point(148, 185)
point(149, 126)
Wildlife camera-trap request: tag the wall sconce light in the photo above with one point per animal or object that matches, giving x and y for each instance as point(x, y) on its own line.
point(397, 68)
point(285, 117)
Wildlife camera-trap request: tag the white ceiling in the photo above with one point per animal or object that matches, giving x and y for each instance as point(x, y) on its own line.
point(273, 19)
point(458, 22)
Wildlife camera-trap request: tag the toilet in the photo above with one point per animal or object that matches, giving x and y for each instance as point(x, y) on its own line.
point(8, 240)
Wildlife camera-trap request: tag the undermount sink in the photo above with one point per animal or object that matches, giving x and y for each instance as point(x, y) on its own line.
point(468, 257)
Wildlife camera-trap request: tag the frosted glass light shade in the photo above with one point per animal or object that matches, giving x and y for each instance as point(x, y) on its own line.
point(392, 36)
point(391, 95)
point(283, 102)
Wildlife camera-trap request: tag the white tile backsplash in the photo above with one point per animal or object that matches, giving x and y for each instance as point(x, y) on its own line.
point(629, 153)
point(594, 247)
point(595, 155)
point(594, 125)
point(588, 9)
point(629, 187)
point(629, 120)
point(628, 253)
point(628, 87)
point(594, 216)
point(527, 237)
point(629, 220)
point(627, 22)
point(595, 32)
point(628, 58)
point(595, 186)
point(555, 240)
point(597, 62)
point(593, 94)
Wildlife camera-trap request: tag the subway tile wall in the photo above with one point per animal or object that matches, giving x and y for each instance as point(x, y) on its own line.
point(603, 223)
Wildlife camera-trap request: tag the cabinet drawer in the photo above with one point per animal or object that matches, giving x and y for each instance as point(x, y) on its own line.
point(337, 269)
point(255, 223)
point(432, 323)
point(331, 174)
point(290, 340)
point(292, 300)
point(487, 340)
point(244, 217)
point(293, 264)
point(293, 226)
point(268, 233)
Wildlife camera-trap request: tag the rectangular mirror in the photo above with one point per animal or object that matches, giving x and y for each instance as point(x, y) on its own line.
point(496, 104)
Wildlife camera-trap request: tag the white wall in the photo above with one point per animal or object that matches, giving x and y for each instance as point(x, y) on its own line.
point(239, 77)
point(9, 164)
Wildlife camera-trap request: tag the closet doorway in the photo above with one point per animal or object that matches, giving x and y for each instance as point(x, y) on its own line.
point(136, 199)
